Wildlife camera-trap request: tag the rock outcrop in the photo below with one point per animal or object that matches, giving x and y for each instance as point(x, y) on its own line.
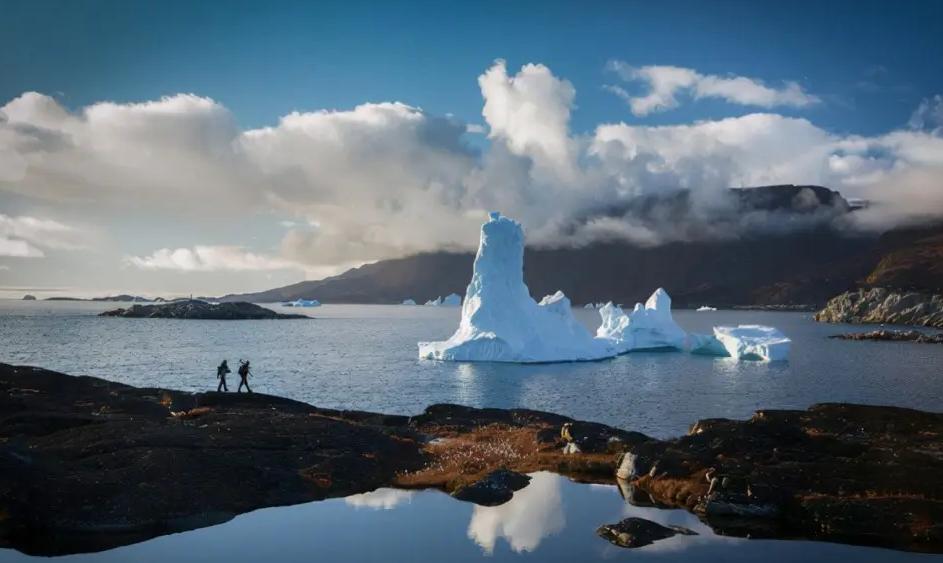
point(893, 336)
point(29, 297)
point(880, 305)
point(638, 532)
point(194, 309)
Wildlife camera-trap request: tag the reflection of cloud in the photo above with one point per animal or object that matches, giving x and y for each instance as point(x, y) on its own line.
point(534, 513)
point(380, 499)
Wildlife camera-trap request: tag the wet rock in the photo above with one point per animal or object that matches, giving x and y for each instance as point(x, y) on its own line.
point(195, 309)
point(497, 488)
point(638, 532)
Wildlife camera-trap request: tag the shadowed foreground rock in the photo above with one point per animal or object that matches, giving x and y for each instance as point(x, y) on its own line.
point(87, 464)
point(638, 532)
point(195, 309)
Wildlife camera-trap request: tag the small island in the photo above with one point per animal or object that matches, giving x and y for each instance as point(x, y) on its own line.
point(201, 310)
point(29, 297)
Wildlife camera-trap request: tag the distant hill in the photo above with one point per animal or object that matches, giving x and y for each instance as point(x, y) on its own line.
point(798, 266)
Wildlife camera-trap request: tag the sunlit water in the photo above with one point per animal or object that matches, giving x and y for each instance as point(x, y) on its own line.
point(365, 357)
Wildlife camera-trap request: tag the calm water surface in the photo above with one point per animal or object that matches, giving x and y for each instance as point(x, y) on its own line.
point(365, 357)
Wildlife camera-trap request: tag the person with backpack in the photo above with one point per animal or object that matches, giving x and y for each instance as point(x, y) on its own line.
point(221, 372)
point(244, 375)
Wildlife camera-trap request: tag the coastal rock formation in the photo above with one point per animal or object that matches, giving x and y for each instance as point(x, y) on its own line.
point(638, 532)
point(29, 297)
point(881, 305)
point(893, 336)
point(193, 309)
point(836, 472)
point(496, 488)
point(87, 464)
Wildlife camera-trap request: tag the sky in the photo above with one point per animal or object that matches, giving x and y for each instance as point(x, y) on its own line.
point(177, 147)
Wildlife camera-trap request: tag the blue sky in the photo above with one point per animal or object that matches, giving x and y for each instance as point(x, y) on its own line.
point(151, 147)
point(871, 62)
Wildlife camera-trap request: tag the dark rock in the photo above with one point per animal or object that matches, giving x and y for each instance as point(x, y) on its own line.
point(893, 336)
point(29, 297)
point(497, 488)
point(194, 309)
point(638, 532)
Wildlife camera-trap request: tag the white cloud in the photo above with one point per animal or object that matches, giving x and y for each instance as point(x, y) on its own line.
point(665, 83)
point(380, 499)
point(209, 259)
point(25, 236)
point(19, 249)
point(929, 115)
point(535, 512)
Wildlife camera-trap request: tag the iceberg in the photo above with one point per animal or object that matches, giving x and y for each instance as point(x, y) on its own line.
point(705, 308)
point(705, 345)
point(647, 327)
point(753, 342)
point(408, 302)
point(434, 302)
point(589, 306)
point(303, 303)
point(501, 322)
point(452, 300)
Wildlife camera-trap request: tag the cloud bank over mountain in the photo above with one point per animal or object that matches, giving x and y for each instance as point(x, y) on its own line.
point(387, 179)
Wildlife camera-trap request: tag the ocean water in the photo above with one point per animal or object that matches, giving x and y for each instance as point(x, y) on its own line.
point(365, 357)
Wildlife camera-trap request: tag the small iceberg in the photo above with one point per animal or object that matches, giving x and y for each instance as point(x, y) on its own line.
point(705, 308)
point(753, 342)
point(408, 302)
point(647, 327)
point(589, 306)
point(452, 300)
point(303, 303)
point(434, 302)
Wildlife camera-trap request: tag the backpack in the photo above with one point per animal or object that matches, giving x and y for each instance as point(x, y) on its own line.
point(244, 370)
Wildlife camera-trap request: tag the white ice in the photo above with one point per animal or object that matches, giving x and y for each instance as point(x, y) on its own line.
point(452, 300)
point(434, 302)
point(408, 302)
point(705, 308)
point(501, 322)
point(304, 303)
point(753, 342)
point(647, 327)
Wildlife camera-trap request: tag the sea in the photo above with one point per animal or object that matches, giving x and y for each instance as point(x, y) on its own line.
point(365, 357)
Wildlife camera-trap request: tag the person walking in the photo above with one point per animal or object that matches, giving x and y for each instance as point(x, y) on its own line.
point(221, 372)
point(244, 376)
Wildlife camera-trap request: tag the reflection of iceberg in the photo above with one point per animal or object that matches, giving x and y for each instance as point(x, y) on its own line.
point(647, 327)
point(534, 513)
point(501, 322)
point(408, 302)
point(753, 342)
point(380, 499)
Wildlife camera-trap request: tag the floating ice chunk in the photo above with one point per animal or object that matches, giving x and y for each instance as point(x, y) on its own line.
point(705, 344)
point(753, 342)
point(303, 303)
point(408, 302)
point(434, 302)
point(452, 300)
point(647, 327)
point(705, 308)
point(501, 322)
point(589, 306)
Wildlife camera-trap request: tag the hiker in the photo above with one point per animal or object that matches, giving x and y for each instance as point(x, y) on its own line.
point(244, 375)
point(221, 372)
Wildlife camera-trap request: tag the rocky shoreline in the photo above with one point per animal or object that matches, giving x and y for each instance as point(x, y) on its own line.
point(893, 336)
point(87, 464)
point(884, 306)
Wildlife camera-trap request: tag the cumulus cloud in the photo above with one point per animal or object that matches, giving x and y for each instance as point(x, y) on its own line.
point(208, 259)
point(534, 513)
point(665, 83)
point(929, 115)
point(25, 236)
point(344, 187)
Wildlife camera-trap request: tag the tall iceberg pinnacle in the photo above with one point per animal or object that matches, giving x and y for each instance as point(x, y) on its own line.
point(501, 322)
